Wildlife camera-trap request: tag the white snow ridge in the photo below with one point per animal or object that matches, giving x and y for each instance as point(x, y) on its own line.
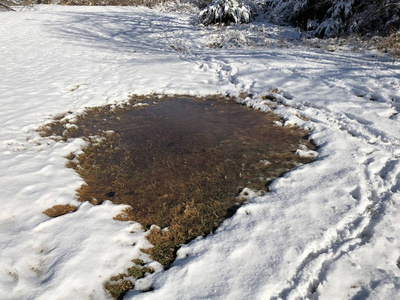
point(326, 230)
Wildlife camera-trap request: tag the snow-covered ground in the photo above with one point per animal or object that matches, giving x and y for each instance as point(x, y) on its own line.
point(327, 230)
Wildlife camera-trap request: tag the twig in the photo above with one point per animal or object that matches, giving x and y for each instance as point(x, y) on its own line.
point(6, 6)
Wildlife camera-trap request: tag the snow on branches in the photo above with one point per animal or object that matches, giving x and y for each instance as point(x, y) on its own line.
point(225, 12)
point(333, 18)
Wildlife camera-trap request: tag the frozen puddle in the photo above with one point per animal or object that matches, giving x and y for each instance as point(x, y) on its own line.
point(181, 163)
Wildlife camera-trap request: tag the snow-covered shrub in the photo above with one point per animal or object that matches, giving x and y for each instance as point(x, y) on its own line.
point(280, 11)
point(310, 10)
point(333, 18)
point(225, 12)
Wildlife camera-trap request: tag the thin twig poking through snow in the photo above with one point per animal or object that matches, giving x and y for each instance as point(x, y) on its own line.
point(5, 6)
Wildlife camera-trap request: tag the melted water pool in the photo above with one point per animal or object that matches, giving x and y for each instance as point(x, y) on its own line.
point(181, 162)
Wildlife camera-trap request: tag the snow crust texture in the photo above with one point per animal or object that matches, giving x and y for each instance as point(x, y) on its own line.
point(327, 230)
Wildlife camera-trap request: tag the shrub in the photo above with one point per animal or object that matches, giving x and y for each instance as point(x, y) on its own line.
point(335, 18)
point(225, 12)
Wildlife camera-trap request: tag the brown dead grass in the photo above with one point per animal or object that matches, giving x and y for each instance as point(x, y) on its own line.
point(59, 210)
point(117, 289)
point(117, 286)
point(391, 44)
point(170, 179)
point(189, 220)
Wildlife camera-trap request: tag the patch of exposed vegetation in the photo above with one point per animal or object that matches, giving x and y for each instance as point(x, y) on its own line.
point(59, 210)
point(391, 44)
point(180, 162)
point(118, 288)
point(120, 284)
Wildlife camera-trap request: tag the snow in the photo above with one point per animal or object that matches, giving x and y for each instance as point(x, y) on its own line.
point(327, 230)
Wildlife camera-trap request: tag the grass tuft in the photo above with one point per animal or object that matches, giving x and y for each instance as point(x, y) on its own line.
point(120, 284)
point(139, 272)
point(59, 210)
point(391, 44)
point(117, 289)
